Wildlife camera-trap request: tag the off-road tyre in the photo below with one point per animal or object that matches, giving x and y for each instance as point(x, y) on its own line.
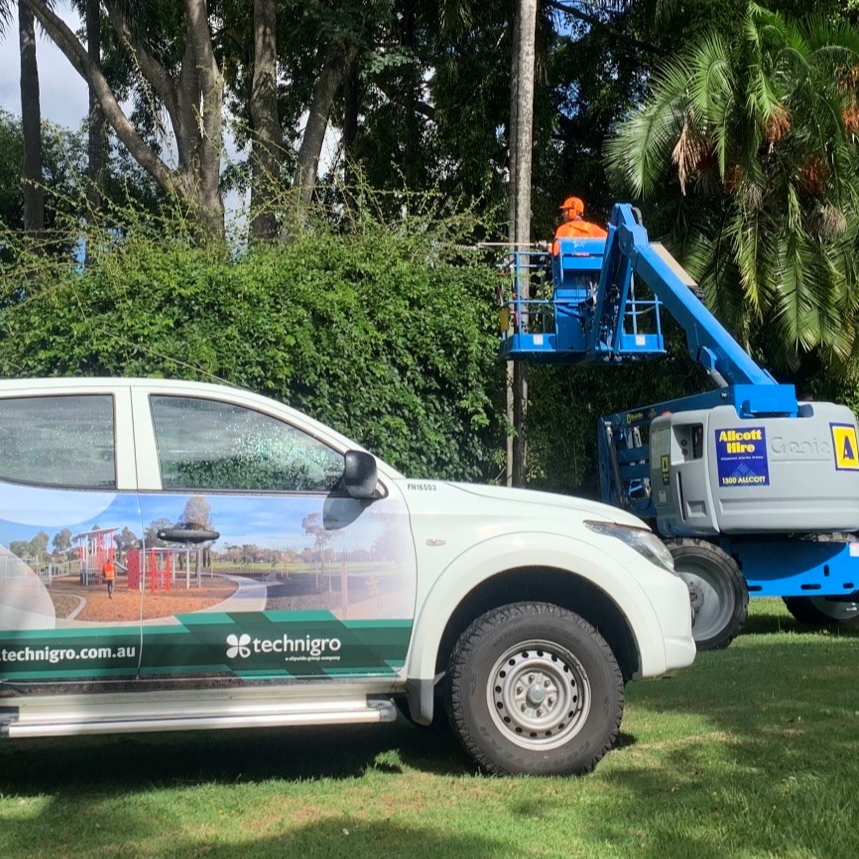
point(819, 611)
point(535, 690)
point(717, 592)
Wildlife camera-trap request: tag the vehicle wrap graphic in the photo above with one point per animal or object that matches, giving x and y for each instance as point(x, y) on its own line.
point(262, 645)
point(288, 585)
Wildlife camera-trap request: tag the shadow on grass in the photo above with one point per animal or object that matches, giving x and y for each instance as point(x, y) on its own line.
point(39, 766)
point(335, 836)
point(75, 777)
point(752, 751)
point(768, 624)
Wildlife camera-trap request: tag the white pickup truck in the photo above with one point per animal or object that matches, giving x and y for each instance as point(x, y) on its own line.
point(178, 555)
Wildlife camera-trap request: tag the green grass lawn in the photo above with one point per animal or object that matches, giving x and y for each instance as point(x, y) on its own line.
point(753, 751)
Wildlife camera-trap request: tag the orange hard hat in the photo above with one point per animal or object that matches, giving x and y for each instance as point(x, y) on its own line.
point(573, 203)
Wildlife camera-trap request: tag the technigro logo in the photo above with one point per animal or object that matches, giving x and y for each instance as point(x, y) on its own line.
point(294, 649)
point(237, 645)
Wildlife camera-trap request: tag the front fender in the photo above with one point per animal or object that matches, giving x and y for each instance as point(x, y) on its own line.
point(627, 589)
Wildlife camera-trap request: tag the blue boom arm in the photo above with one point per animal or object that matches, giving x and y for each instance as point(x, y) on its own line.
point(594, 315)
point(628, 249)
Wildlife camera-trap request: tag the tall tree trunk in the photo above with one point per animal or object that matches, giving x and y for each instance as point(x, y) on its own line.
point(351, 106)
point(31, 123)
point(351, 99)
point(207, 166)
point(521, 142)
point(97, 122)
point(330, 78)
point(513, 128)
point(267, 134)
point(512, 140)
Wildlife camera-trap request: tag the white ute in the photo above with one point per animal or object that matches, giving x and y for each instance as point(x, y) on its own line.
point(178, 555)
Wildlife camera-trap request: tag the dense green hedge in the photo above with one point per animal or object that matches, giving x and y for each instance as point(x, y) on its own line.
point(566, 404)
point(389, 337)
point(382, 335)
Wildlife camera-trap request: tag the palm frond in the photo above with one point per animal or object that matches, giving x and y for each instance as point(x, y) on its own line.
point(6, 16)
point(636, 156)
point(774, 241)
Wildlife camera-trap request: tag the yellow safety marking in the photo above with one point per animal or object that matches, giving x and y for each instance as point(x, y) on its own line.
point(846, 447)
point(665, 470)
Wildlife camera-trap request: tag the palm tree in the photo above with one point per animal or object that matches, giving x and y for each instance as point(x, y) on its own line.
point(31, 115)
point(757, 134)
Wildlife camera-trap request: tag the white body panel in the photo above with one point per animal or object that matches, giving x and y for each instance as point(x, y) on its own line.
point(464, 535)
point(451, 538)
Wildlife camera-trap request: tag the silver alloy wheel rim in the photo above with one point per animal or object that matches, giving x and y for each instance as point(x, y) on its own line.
point(711, 596)
point(836, 610)
point(539, 695)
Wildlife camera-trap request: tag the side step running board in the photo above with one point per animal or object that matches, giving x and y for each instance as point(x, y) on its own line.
point(70, 715)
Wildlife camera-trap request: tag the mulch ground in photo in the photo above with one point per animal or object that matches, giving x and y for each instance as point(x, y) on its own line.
point(126, 604)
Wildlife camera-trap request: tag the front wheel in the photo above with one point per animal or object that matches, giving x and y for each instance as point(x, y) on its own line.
point(535, 690)
point(717, 592)
point(820, 611)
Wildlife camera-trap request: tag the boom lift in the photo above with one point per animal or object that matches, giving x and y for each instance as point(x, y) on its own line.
point(755, 492)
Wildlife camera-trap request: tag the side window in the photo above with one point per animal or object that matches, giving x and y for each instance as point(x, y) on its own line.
point(206, 444)
point(63, 441)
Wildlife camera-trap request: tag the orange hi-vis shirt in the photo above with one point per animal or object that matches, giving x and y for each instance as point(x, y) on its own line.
point(577, 229)
point(109, 571)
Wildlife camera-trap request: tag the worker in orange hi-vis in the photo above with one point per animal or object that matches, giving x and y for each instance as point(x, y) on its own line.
point(574, 226)
point(110, 576)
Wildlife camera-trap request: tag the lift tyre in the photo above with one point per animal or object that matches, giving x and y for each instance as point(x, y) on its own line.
point(717, 592)
point(534, 690)
point(820, 611)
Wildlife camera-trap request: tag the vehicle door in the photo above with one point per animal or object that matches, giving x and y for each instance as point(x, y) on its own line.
point(258, 564)
point(68, 506)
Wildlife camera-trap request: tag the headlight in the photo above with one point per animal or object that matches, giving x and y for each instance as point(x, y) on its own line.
point(642, 540)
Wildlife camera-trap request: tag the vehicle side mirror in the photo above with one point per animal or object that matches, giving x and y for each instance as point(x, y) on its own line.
point(360, 475)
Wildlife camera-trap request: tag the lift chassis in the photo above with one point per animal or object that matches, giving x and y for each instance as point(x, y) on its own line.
point(755, 492)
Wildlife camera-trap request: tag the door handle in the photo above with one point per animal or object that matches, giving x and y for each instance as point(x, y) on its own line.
point(187, 535)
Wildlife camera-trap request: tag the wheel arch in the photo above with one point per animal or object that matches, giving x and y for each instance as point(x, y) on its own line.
point(588, 582)
point(546, 584)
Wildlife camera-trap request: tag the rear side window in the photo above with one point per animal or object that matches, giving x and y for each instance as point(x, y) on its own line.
point(58, 441)
point(207, 444)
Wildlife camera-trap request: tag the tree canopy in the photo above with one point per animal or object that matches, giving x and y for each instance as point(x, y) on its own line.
point(355, 146)
point(756, 130)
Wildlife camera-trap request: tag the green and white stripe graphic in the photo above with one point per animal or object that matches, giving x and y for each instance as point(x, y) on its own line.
point(252, 645)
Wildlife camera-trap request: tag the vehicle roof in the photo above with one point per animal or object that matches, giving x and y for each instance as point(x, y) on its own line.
point(110, 381)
